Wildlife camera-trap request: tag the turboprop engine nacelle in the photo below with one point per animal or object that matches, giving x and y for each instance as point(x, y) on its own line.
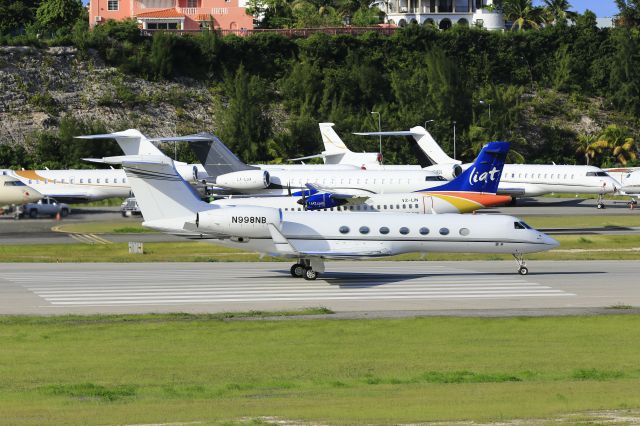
point(447, 171)
point(248, 222)
point(320, 201)
point(247, 179)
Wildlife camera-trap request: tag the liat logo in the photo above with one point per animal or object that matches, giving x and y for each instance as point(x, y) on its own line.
point(475, 177)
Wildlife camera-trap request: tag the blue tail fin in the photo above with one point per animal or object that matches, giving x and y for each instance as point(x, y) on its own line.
point(484, 174)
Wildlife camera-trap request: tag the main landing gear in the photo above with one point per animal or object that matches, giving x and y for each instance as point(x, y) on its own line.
point(309, 269)
point(522, 265)
point(600, 201)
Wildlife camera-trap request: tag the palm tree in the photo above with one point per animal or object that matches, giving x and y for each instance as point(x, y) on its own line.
point(621, 145)
point(558, 11)
point(585, 147)
point(523, 14)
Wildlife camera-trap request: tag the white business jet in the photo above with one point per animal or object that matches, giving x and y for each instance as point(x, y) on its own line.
point(524, 180)
point(169, 204)
point(629, 179)
point(13, 191)
point(336, 153)
point(227, 172)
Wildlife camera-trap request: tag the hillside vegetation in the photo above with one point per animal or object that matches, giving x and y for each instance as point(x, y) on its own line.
point(562, 93)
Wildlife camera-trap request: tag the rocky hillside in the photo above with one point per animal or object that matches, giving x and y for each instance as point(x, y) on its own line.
point(40, 86)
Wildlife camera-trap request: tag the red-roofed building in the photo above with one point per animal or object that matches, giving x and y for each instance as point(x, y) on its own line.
point(174, 14)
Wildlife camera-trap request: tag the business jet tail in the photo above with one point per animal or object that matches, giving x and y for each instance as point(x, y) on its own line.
point(159, 190)
point(215, 157)
point(484, 174)
point(131, 141)
point(430, 147)
point(333, 144)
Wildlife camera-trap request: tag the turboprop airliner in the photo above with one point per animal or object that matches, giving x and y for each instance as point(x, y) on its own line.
point(13, 191)
point(229, 173)
point(524, 180)
point(169, 204)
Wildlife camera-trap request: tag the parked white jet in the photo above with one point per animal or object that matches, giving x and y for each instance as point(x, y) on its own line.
point(528, 180)
point(337, 153)
point(169, 204)
point(13, 191)
point(228, 172)
point(629, 180)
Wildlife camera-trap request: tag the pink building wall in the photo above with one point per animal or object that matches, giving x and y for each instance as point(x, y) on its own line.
point(186, 14)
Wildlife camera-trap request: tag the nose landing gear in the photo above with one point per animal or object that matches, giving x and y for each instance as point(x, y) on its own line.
point(522, 264)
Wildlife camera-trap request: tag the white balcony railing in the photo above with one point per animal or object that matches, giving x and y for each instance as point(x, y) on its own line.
point(194, 11)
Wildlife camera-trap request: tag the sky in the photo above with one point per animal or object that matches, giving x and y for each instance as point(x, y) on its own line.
point(599, 7)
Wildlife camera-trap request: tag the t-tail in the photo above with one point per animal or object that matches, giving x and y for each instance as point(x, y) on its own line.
point(131, 141)
point(483, 176)
point(164, 198)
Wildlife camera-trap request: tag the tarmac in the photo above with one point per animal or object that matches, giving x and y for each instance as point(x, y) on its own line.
point(351, 289)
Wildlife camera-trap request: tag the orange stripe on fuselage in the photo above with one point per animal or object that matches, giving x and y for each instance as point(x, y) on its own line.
point(30, 174)
point(487, 200)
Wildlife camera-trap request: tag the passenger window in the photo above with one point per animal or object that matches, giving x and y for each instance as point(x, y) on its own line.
point(398, 206)
point(404, 230)
point(464, 232)
point(404, 206)
point(384, 230)
point(344, 229)
point(424, 231)
point(364, 229)
point(391, 207)
point(97, 180)
point(444, 231)
point(385, 206)
point(81, 180)
point(106, 180)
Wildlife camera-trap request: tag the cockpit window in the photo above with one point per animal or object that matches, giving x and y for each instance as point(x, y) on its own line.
point(597, 174)
point(521, 225)
point(14, 183)
point(434, 178)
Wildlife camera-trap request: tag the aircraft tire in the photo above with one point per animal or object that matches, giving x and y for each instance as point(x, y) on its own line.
point(523, 270)
point(297, 270)
point(310, 274)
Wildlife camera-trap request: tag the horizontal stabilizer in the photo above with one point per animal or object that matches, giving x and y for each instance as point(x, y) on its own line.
point(94, 160)
point(138, 159)
point(397, 133)
point(189, 138)
point(323, 155)
point(109, 136)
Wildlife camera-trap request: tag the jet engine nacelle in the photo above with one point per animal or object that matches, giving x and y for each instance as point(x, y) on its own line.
point(447, 171)
point(247, 179)
point(188, 172)
point(248, 222)
point(321, 201)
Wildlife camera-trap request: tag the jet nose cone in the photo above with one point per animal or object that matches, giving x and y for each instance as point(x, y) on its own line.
point(31, 195)
point(551, 242)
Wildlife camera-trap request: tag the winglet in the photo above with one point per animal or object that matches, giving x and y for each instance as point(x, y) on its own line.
point(282, 244)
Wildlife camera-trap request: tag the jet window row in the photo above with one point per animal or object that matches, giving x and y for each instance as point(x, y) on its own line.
point(362, 207)
point(543, 176)
point(403, 230)
point(81, 180)
point(365, 181)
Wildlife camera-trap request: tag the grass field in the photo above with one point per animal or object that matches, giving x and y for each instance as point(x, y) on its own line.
point(573, 247)
point(182, 368)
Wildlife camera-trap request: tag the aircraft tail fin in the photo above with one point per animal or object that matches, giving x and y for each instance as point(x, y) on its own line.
point(332, 142)
point(215, 157)
point(131, 141)
point(159, 190)
point(485, 172)
point(430, 147)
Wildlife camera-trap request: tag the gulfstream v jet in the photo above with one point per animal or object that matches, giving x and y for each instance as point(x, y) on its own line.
point(169, 204)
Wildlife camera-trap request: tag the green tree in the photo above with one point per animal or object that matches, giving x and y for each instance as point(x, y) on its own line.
point(629, 12)
point(563, 77)
point(523, 14)
point(619, 143)
point(58, 16)
point(16, 15)
point(625, 72)
point(559, 11)
point(245, 123)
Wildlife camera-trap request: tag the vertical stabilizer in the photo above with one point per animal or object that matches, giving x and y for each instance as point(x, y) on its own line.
point(131, 141)
point(159, 190)
point(215, 157)
point(430, 147)
point(485, 172)
point(332, 142)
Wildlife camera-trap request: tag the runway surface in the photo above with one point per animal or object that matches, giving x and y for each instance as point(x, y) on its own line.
point(485, 287)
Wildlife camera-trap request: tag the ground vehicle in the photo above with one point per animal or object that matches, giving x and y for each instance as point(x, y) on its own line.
point(46, 206)
point(129, 207)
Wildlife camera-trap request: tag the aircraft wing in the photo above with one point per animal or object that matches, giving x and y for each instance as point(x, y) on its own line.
point(283, 246)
